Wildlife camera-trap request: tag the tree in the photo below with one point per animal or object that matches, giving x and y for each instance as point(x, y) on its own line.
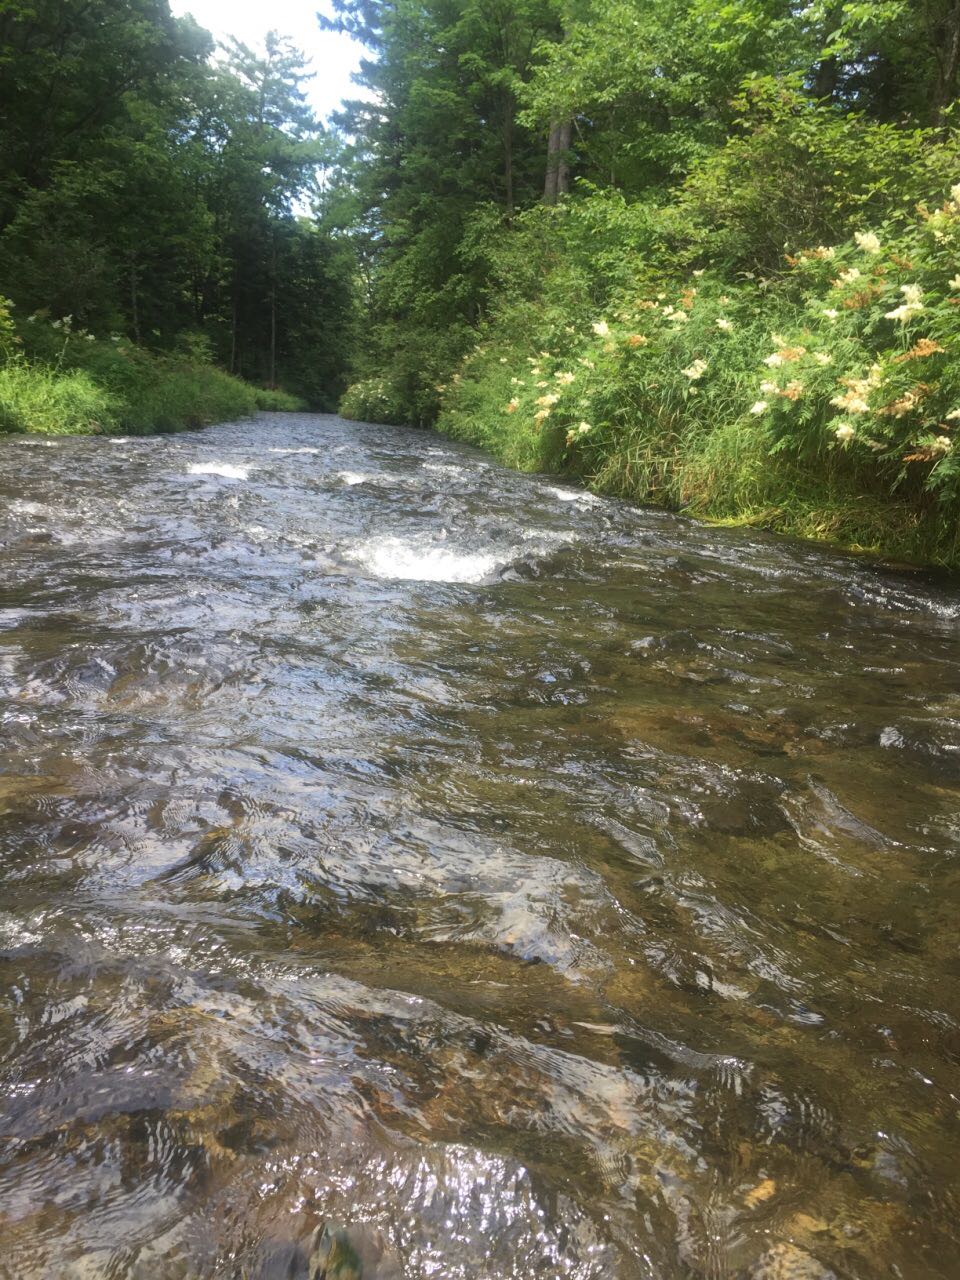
point(439, 141)
point(145, 189)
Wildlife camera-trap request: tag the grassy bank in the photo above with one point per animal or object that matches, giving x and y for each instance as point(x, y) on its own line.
point(55, 380)
point(773, 338)
point(821, 400)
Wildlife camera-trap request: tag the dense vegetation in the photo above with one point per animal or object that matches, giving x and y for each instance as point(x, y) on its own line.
point(706, 255)
point(149, 246)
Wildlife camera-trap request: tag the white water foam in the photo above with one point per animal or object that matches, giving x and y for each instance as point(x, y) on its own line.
point(226, 470)
point(574, 495)
point(444, 468)
point(305, 449)
point(394, 558)
point(549, 538)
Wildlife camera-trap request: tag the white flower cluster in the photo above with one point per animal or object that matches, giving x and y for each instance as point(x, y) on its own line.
point(911, 305)
point(867, 241)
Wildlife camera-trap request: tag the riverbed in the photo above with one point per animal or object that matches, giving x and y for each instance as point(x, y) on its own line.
point(520, 883)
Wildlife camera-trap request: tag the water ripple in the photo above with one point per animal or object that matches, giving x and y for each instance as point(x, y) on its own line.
point(417, 868)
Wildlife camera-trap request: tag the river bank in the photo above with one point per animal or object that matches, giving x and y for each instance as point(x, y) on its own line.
point(828, 510)
point(832, 509)
point(819, 397)
point(59, 380)
point(820, 402)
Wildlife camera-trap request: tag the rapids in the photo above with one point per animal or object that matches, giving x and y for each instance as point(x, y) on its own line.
point(520, 883)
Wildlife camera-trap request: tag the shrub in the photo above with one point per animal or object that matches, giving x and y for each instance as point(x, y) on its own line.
point(72, 381)
point(800, 172)
point(274, 400)
point(373, 400)
point(8, 332)
point(872, 365)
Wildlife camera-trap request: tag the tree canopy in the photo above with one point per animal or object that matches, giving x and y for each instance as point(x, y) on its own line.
point(149, 190)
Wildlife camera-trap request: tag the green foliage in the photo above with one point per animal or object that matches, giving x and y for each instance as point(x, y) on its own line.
point(798, 172)
point(372, 400)
point(649, 81)
point(273, 400)
point(147, 192)
point(53, 402)
point(148, 392)
point(70, 382)
point(172, 394)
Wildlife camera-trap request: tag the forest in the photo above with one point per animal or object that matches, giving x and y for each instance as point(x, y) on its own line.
point(705, 256)
point(155, 266)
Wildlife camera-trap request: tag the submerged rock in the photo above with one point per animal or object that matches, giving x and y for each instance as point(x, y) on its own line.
point(786, 1262)
point(332, 1256)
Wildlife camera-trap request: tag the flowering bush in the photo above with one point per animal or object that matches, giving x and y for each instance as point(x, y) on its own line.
point(872, 365)
point(835, 385)
point(373, 400)
point(628, 382)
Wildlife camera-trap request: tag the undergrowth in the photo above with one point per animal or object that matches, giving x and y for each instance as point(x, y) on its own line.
point(823, 402)
point(58, 380)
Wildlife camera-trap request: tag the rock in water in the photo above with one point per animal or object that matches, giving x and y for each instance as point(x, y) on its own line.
point(787, 1262)
point(332, 1256)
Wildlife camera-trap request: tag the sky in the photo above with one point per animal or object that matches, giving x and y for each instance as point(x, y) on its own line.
point(333, 57)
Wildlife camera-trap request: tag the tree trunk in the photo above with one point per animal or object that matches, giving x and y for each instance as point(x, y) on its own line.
point(563, 166)
point(273, 312)
point(508, 163)
point(233, 331)
point(827, 72)
point(557, 181)
point(134, 300)
point(273, 337)
point(553, 148)
point(948, 61)
point(825, 81)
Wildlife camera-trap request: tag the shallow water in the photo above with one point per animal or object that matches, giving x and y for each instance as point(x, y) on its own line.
point(522, 884)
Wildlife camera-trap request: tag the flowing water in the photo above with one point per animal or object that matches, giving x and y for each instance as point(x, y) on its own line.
point(416, 868)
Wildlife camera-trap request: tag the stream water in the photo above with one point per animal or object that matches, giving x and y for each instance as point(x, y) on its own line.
point(518, 883)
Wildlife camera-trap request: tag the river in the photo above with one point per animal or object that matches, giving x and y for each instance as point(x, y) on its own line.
point(519, 883)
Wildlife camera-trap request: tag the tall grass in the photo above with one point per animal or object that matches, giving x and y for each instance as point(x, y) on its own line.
point(54, 402)
point(68, 382)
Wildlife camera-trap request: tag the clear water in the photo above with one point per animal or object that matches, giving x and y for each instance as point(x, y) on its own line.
point(521, 884)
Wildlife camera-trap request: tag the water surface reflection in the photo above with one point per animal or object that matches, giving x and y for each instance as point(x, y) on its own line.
point(518, 883)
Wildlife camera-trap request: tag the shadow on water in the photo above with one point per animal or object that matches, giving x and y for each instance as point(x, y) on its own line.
point(414, 869)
